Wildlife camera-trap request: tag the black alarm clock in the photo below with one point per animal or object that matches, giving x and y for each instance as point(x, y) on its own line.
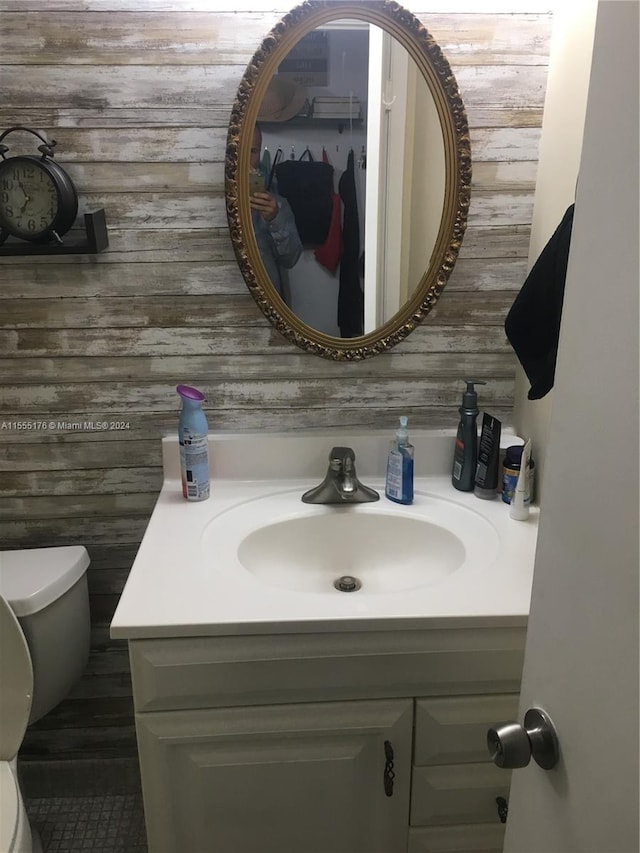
point(38, 201)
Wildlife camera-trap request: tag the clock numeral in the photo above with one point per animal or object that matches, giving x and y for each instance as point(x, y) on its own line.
point(31, 224)
point(8, 211)
point(5, 197)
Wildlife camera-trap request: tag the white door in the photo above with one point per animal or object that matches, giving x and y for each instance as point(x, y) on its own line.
point(581, 662)
point(387, 130)
point(377, 157)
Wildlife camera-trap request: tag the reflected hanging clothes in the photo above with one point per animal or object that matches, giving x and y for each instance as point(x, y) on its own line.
point(350, 295)
point(330, 252)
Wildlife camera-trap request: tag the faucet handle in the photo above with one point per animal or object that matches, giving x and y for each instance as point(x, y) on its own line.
point(341, 454)
point(340, 484)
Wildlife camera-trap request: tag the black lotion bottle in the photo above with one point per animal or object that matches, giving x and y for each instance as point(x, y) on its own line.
point(465, 455)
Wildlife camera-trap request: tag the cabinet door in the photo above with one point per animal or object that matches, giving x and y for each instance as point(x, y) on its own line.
point(277, 779)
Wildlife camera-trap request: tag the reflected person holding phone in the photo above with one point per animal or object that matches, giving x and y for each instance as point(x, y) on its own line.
point(273, 222)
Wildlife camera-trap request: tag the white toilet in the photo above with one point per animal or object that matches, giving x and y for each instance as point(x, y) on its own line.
point(44, 647)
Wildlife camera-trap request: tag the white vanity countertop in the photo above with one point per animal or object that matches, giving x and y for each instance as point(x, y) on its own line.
point(176, 589)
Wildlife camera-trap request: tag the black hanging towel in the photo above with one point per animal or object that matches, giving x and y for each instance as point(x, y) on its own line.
point(350, 295)
point(533, 322)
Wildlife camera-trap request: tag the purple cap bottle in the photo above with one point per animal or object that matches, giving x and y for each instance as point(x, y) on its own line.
point(194, 444)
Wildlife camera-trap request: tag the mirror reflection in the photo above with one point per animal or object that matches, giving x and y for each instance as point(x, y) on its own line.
point(347, 178)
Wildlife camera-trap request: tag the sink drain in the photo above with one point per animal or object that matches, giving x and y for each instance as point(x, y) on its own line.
point(347, 583)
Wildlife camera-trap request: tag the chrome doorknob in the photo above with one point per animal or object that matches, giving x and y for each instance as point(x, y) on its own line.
point(512, 745)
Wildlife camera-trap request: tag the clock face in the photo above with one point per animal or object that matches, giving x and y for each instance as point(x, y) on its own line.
point(28, 198)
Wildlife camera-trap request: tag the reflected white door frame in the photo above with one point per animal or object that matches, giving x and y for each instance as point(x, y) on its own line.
point(386, 144)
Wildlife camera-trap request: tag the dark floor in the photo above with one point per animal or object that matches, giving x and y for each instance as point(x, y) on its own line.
point(113, 823)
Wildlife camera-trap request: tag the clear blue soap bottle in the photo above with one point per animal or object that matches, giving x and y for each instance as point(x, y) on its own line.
point(399, 483)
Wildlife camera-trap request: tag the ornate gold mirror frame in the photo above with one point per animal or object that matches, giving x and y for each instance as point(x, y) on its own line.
point(435, 69)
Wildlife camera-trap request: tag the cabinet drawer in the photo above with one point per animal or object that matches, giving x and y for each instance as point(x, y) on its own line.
point(453, 730)
point(462, 793)
point(471, 838)
point(209, 672)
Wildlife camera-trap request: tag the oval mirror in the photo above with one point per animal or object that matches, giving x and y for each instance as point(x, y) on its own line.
point(348, 172)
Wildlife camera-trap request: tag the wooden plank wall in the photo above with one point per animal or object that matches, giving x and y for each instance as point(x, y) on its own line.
point(138, 94)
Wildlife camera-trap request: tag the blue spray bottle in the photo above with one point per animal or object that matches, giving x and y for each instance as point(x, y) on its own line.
point(399, 484)
point(194, 448)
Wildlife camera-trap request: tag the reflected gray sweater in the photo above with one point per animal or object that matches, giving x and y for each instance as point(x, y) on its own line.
point(278, 241)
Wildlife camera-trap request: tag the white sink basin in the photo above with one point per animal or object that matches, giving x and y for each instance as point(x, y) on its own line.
point(382, 552)
point(386, 548)
point(254, 559)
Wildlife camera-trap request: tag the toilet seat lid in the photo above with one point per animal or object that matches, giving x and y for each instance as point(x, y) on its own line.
point(10, 805)
point(32, 578)
point(16, 683)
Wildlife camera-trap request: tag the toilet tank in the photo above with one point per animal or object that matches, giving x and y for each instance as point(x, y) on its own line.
point(47, 590)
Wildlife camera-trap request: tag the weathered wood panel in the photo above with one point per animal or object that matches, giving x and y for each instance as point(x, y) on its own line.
point(43, 532)
point(107, 582)
point(180, 87)
point(477, 39)
point(178, 279)
point(118, 398)
point(100, 38)
point(139, 146)
point(87, 506)
point(172, 211)
point(170, 158)
point(57, 455)
point(79, 449)
point(81, 743)
point(177, 211)
point(215, 115)
point(106, 481)
point(138, 95)
point(144, 246)
point(27, 343)
point(200, 368)
point(121, 86)
point(217, 310)
point(109, 557)
point(43, 116)
point(87, 713)
point(206, 279)
point(507, 145)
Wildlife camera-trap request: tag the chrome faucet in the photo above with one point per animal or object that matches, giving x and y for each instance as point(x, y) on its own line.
point(341, 484)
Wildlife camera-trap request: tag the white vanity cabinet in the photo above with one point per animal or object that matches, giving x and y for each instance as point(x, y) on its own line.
point(337, 742)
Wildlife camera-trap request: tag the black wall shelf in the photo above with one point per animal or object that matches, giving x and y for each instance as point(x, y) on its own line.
point(96, 240)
